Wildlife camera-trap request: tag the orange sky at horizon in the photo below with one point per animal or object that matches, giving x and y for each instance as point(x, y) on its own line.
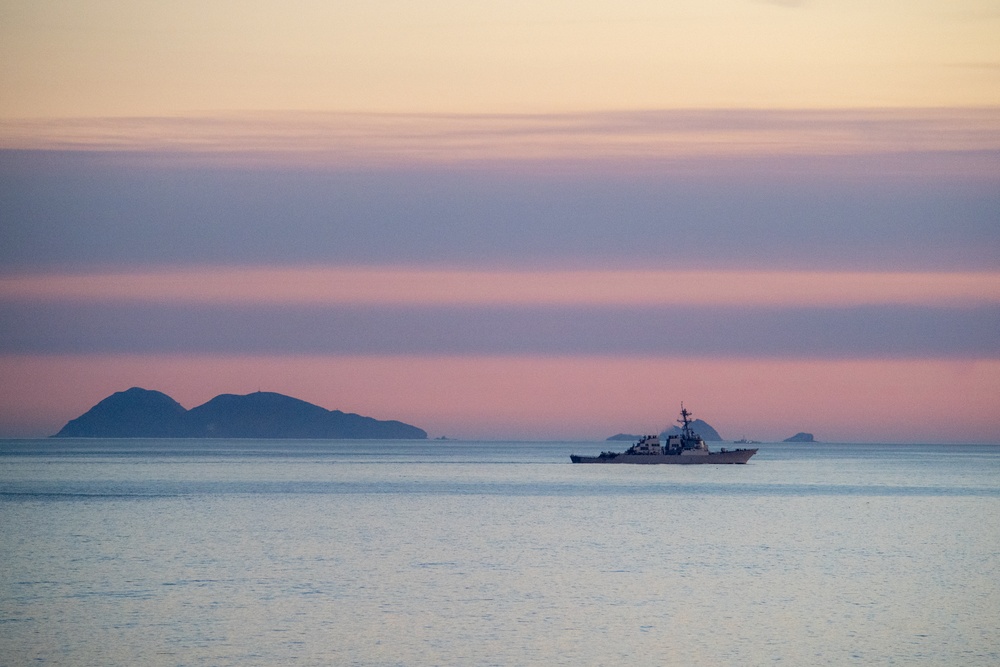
point(497, 397)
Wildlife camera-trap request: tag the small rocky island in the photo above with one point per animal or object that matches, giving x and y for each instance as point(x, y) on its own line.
point(143, 413)
point(800, 437)
point(707, 433)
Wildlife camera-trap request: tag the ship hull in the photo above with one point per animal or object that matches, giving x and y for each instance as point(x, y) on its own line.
point(738, 456)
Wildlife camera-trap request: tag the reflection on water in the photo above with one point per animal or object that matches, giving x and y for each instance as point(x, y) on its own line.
point(315, 553)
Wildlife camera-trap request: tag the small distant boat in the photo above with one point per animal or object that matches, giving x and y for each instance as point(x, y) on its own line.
point(744, 441)
point(688, 448)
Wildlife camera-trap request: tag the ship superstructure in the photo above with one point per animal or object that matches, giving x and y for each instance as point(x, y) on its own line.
point(687, 447)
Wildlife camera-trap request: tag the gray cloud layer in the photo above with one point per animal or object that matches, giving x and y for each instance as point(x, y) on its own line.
point(862, 332)
point(77, 210)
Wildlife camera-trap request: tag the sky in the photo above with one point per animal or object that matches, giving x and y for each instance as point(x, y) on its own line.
point(521, 220)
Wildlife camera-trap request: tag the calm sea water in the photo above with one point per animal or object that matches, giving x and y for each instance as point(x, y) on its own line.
point(169, 552)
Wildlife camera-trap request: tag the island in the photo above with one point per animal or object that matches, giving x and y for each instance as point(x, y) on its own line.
point(144, 413)
point(699, 426)
point(800, 437)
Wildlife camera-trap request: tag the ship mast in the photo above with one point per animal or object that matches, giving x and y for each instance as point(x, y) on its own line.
point(686, 431)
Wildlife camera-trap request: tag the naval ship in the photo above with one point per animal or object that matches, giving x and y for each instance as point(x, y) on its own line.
point(685, 449)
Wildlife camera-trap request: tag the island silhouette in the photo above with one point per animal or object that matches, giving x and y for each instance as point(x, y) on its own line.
point(700, 427)
point(708, 434)
point(145, 413)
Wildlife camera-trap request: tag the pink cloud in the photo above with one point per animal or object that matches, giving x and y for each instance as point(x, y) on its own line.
point(401, 286)
point(647, 137)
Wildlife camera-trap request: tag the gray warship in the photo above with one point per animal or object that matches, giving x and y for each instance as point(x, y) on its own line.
point(685, 449)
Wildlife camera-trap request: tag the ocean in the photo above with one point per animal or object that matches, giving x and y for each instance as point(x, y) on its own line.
point(252, 552)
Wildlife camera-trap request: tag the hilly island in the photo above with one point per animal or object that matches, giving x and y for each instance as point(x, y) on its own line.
point(143, 413)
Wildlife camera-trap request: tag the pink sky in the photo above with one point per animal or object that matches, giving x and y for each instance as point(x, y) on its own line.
point(508, 219)
point(526, 397)
point(428, 286)
point(936, 143)
point(948, 387)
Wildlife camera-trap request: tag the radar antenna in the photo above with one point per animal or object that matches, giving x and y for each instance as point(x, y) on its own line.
point(686, 432)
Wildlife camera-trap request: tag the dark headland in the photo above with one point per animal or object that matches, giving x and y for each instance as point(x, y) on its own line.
point(142, 413)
